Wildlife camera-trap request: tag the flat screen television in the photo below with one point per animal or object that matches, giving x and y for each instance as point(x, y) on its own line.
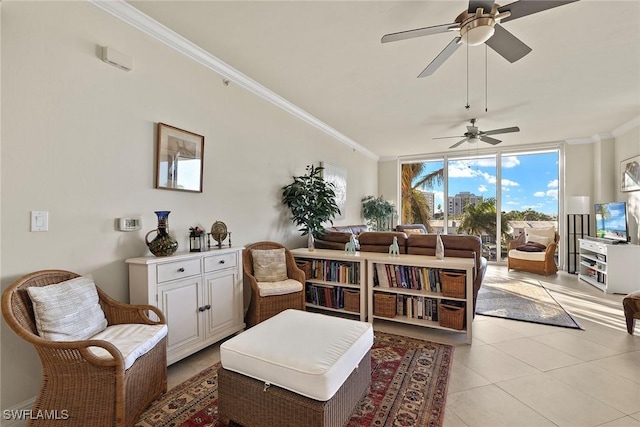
point(611, 221)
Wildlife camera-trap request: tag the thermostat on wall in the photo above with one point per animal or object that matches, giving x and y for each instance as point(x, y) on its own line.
point(129, 224)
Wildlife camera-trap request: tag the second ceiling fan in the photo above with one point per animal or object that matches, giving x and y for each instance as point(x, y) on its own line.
point(480, 23)
point(473, 134)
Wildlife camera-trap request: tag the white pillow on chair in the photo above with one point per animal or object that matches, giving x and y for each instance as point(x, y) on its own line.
point(269, 265)
point(68, 311)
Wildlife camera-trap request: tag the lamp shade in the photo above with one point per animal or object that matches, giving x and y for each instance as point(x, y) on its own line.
point(579, 205)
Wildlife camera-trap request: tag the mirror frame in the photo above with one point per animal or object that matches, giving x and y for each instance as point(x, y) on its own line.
point(169, 138)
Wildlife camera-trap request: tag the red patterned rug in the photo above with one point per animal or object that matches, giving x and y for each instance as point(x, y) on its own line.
point(408, 388)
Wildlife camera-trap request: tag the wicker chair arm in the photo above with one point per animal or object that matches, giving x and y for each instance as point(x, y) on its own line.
point(118, 313)
point(551, 249)
point(79, 350)
point(516, 242)
point(293, 271)
point(253, 282)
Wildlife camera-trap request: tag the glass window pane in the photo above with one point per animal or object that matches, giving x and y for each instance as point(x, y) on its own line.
point(422, 193)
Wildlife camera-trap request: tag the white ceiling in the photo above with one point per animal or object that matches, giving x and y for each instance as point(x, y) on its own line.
point(581, 79)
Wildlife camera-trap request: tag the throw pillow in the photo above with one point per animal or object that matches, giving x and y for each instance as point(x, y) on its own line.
point(269, 265)
point(532, 247)
point(536, 238)
point(68, 311)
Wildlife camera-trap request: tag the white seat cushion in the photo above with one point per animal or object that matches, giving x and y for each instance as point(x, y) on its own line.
point(529, 256)
point(133, 340)
point(281, 287)
point(310, 354)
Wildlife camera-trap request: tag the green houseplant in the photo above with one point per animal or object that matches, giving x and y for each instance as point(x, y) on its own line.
point(312, 201)
point(377, 212)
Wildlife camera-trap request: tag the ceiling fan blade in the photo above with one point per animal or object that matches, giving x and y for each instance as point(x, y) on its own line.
point(486, 5)
point(522, 8)
point(442, 56)
point(505, 130)
point(419, 32)
point(490, 140)
point(507, 45)
point(447, 137)
point(458, 143)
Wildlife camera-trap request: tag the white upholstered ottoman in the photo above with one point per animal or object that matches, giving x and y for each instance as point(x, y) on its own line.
point(295, 369)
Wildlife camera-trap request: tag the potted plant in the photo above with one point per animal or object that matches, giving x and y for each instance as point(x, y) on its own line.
point(377, 212)
point(312, 202)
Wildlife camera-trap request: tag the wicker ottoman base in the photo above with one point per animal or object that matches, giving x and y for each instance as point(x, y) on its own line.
point(245, 401)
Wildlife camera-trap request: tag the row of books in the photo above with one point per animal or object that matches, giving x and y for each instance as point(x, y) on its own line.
point(325, 296)
point(405, 276)
point(417, 307)
point(335, 271)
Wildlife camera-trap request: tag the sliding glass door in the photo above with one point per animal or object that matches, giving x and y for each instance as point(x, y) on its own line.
point(493, 196)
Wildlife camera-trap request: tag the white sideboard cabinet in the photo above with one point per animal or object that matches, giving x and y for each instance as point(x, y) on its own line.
point(614, 269)
point(200, 294)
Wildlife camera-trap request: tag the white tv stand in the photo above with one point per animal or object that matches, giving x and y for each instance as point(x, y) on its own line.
point(612, 268)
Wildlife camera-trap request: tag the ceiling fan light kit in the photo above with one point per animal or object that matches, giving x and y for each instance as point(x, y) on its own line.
point(477, 27)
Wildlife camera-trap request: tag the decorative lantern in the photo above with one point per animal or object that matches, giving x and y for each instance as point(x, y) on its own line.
point(197, 240)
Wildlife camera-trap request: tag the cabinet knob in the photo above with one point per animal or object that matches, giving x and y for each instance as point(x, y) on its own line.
point(221, 261)
point(208, 306)
point(201, 309)
point(181, 270)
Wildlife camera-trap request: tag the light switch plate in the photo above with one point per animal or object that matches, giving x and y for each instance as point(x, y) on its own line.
point(39, 221)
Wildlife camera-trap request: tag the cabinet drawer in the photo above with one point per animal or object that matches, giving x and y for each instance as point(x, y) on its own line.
point(593, 246)
point(219, 262)
point(178, 270)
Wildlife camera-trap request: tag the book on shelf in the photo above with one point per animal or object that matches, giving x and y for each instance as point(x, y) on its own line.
point(407, 277)
point(335, 271)
point(417, 307)
point(325, 296)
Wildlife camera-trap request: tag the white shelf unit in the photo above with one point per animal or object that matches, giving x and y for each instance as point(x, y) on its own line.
point(614, 269)
point(332, 259)
point(465, 265)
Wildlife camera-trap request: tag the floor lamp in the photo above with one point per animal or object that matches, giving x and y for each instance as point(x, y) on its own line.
point(578, 211)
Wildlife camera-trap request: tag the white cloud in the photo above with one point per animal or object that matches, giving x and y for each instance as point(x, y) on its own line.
point(553, 184)
point(553, 194)
point(509, 183)
point(539, 194)
point(483, 189)
point(510, 161)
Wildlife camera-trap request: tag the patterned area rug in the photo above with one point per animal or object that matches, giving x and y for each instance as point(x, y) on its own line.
point(408, 388)
point(525, 301)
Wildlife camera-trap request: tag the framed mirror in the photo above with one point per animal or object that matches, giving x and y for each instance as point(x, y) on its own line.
point(180, 159)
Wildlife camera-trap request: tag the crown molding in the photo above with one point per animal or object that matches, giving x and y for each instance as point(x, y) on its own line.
point(626, 127)
point(135, 18)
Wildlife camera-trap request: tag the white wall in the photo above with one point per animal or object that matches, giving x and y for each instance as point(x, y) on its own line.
point(627, 145)
point(78, 141)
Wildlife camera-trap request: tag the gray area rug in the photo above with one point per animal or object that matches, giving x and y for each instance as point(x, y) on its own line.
point(522, 301)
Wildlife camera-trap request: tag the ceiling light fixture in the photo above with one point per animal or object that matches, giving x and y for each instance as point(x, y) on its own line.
point(478, 31)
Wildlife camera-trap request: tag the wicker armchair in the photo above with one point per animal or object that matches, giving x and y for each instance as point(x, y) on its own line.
point(94, 391)
point(263, 307)
point(545, 264)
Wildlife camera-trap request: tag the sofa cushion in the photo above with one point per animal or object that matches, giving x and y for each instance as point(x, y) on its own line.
point(351, 229)
point(379, 241)
point(67, 311)
point(133, 340)
point(269, 265)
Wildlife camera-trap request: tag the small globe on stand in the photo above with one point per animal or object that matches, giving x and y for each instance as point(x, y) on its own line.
point(219, 232)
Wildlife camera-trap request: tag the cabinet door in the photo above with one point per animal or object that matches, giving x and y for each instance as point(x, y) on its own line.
point(223, 292)
point(180, 303)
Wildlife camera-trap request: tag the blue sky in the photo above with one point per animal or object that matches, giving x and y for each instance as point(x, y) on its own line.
point(528, 180)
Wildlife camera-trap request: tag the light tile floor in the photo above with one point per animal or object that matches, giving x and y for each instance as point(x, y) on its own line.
point(523, 374)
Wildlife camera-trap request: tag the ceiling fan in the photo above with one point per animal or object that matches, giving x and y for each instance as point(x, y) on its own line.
point(480, 23)
point(473, 134)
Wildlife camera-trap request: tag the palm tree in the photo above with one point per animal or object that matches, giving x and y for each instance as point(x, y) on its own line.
point(481, 219)
point(415, 209)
